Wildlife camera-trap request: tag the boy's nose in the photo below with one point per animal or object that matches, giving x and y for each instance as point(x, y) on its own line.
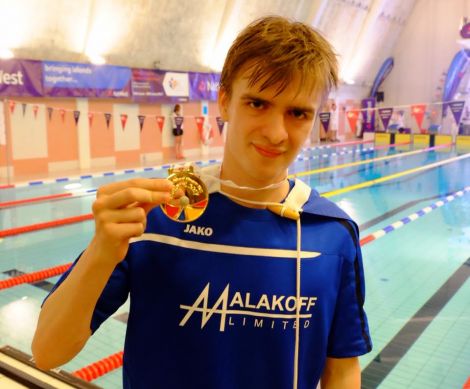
point(275, 130)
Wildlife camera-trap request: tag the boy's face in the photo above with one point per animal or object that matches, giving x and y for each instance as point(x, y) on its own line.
point(265, 129)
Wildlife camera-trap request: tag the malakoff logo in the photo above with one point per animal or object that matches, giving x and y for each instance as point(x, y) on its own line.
point(241, 309)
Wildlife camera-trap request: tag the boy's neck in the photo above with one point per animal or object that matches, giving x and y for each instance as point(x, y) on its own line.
point(276, 194)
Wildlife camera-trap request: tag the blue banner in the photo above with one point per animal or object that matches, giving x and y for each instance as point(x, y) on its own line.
point(66, 79)
point(368, 115)
point(203, 86)
point(20, 78)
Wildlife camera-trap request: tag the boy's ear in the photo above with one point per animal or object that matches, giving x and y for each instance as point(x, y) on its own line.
point(223, 102)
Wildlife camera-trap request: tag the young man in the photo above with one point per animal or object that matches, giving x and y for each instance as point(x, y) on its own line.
point(265, 289)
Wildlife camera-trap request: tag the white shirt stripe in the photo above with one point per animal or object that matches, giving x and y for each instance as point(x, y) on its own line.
point(224, 249)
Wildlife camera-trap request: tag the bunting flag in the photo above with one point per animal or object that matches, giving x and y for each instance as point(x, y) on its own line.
point(200, 125)
point(49, 112)
point(353, 116)
point(107, 116)
point(76, 116)
point(12, 106)
point(62, 114)
point(417, 110)
point(444, 109)
point(141, 121)
point(90, 119)
point(24, 105)
point(385, 115)
point(325, 120)
point(220, 124)
point(35, 110)
point(123, 120)
point(457, 108)
point(160, 122)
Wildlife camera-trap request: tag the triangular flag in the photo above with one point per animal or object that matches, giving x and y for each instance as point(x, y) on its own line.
point(160, 122)
point(325, 120)
point(457, 108)
point(200, 124)
point(417, 111)
point(123, 120)
point(220, 124)
point(141, 121)
point(12, 105)
point(76, 116)
point(385, 115)
point(35, 110)
point(49, 112)
point(23, 105)
point(62, 114)
point(90, 119)
point(352, 119)
point(107, 116)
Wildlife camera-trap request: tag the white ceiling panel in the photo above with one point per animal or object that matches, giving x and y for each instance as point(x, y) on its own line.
point(192, 35)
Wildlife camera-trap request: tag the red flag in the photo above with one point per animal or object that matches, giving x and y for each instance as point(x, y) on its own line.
point(220, 124)
point(107, 116)
point(62, 114)
point(417, 111)
point(76, 116)
point(49, 112)
point(160, 122)
point(352, 119)
point(123, 120)
point(12, 105)
point(90, 119)
point(35, 110)
point(141, 121)
point(200, 124)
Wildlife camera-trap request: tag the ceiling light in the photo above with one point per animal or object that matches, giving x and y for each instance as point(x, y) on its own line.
point(6, 54)
point(96, 59)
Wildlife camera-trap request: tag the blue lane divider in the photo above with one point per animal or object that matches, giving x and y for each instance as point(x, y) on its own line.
point(166, 166)
point(416, 215)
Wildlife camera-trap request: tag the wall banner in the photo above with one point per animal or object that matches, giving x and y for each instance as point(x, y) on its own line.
point(67, 79)
point(21, 78)
point(203, 86)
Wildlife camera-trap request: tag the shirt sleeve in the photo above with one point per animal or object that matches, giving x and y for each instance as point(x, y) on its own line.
point(113, 296)
point(349, 335)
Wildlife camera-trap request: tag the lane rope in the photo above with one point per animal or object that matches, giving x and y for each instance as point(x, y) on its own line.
point(87, 192)
point(80, 218)
point(375, 181)
point(358, 163)
point(141, 170)
point(40, 275)
point(42, 226)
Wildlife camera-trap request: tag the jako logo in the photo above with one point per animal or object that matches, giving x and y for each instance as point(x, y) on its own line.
point(11, 78)
point(198, 230)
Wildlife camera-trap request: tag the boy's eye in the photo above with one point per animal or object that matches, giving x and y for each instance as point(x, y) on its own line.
point(256, 104)
point(298, 114)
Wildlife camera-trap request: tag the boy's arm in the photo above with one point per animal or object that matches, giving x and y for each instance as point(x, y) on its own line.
point(341, 373)
point(120, 213)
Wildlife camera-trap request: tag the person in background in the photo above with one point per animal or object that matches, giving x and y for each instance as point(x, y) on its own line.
point(177, 132)
point(264, 290)
point(333, 122)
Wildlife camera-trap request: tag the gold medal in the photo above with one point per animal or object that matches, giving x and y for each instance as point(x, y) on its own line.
point(192, 204)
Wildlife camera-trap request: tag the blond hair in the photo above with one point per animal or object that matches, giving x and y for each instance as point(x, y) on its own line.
point(275, 50)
